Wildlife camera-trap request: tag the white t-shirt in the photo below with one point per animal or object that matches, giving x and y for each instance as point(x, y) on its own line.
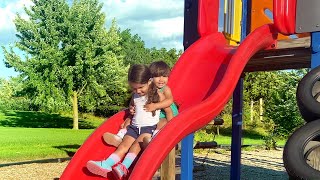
point(141, 117)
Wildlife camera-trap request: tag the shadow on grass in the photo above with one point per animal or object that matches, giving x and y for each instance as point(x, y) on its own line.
point(69, 149)
point(30, 119)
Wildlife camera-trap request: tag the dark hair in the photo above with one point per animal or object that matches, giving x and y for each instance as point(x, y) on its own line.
point(139, 73)
point(159, 68)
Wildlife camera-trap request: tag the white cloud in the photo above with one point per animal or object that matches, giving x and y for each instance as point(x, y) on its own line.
point(165, 27)
point(158, 22)
point(7, 16)
point(8, 13)
point(145, 9)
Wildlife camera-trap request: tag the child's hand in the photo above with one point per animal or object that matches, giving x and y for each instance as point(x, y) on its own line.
point(150, 107)
point(131, 110)
point(122, 125)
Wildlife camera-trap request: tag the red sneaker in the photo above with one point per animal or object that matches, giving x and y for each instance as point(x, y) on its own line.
point(119, 171)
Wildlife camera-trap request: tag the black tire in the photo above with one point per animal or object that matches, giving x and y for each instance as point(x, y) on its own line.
point(308, 95)
point(296, 149)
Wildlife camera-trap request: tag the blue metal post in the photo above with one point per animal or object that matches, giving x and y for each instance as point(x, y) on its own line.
point(187, 158)
point(244, 23)
point(190, 35)
point(315, 46)
point(235, 170)
point(236, 132)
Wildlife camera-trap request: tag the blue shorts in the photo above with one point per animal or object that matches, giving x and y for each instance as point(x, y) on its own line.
point(135, 131)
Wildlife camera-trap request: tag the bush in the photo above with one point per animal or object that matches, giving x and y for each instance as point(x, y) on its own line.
point(270, 142)
point(17, 103)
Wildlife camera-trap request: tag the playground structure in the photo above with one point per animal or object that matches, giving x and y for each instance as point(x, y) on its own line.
point(208, 73)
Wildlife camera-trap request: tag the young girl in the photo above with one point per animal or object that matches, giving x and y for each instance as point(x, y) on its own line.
point(143, 124)
point(160, 72)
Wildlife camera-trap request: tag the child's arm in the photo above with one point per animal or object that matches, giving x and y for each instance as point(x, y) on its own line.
point(168, 110)
point(168, 100)
point(126, 122)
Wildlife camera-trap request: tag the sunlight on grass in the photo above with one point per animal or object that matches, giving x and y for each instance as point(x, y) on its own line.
point(27, 135)
point(19, 144)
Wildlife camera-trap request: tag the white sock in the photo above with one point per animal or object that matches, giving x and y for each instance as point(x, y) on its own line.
point(155, 132)
point(122, 132)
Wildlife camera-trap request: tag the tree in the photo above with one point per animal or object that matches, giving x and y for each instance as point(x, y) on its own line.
point(281, 107)
point(278, 89)
point(6, 92)
point(69, 54)
point(11, 95)
point(38, 38)
point(133, 48)
point(135, 52)
point(259, 84)
point(169, 56)
point(257, 87)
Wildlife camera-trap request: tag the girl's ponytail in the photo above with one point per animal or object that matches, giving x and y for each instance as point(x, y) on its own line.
point(153, 96)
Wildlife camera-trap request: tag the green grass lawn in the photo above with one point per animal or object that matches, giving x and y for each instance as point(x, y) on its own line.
point(30, 119)
point(20, 144)
point(249, 138)
point(246, 141)
point(37, 135)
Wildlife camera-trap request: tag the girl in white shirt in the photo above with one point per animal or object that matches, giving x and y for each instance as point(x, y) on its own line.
point(143, 124)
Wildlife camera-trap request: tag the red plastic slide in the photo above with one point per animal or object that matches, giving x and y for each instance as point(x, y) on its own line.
point(284, 15)
point(202, 82)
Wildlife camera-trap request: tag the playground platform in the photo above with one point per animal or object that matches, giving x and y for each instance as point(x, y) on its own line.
point(289, 54)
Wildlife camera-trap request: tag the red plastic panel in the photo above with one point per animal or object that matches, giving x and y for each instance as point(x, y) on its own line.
point(284, 15)
point(208, 17)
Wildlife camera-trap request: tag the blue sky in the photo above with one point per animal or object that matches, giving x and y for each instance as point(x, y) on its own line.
point(158, 22)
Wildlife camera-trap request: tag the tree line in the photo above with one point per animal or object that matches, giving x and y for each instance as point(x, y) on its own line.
point(72, 62)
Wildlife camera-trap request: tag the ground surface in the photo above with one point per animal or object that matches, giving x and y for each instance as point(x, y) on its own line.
point(259, 164)
point(215, 165)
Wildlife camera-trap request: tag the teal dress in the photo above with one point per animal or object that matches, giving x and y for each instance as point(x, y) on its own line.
point(173, 107)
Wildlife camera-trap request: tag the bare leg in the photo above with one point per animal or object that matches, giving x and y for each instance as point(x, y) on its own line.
point(162, 122)
point(116, 139)
point(124, 146)
point(136, 146)
point(169, 113)
point(146, 140)
point(112, 139)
